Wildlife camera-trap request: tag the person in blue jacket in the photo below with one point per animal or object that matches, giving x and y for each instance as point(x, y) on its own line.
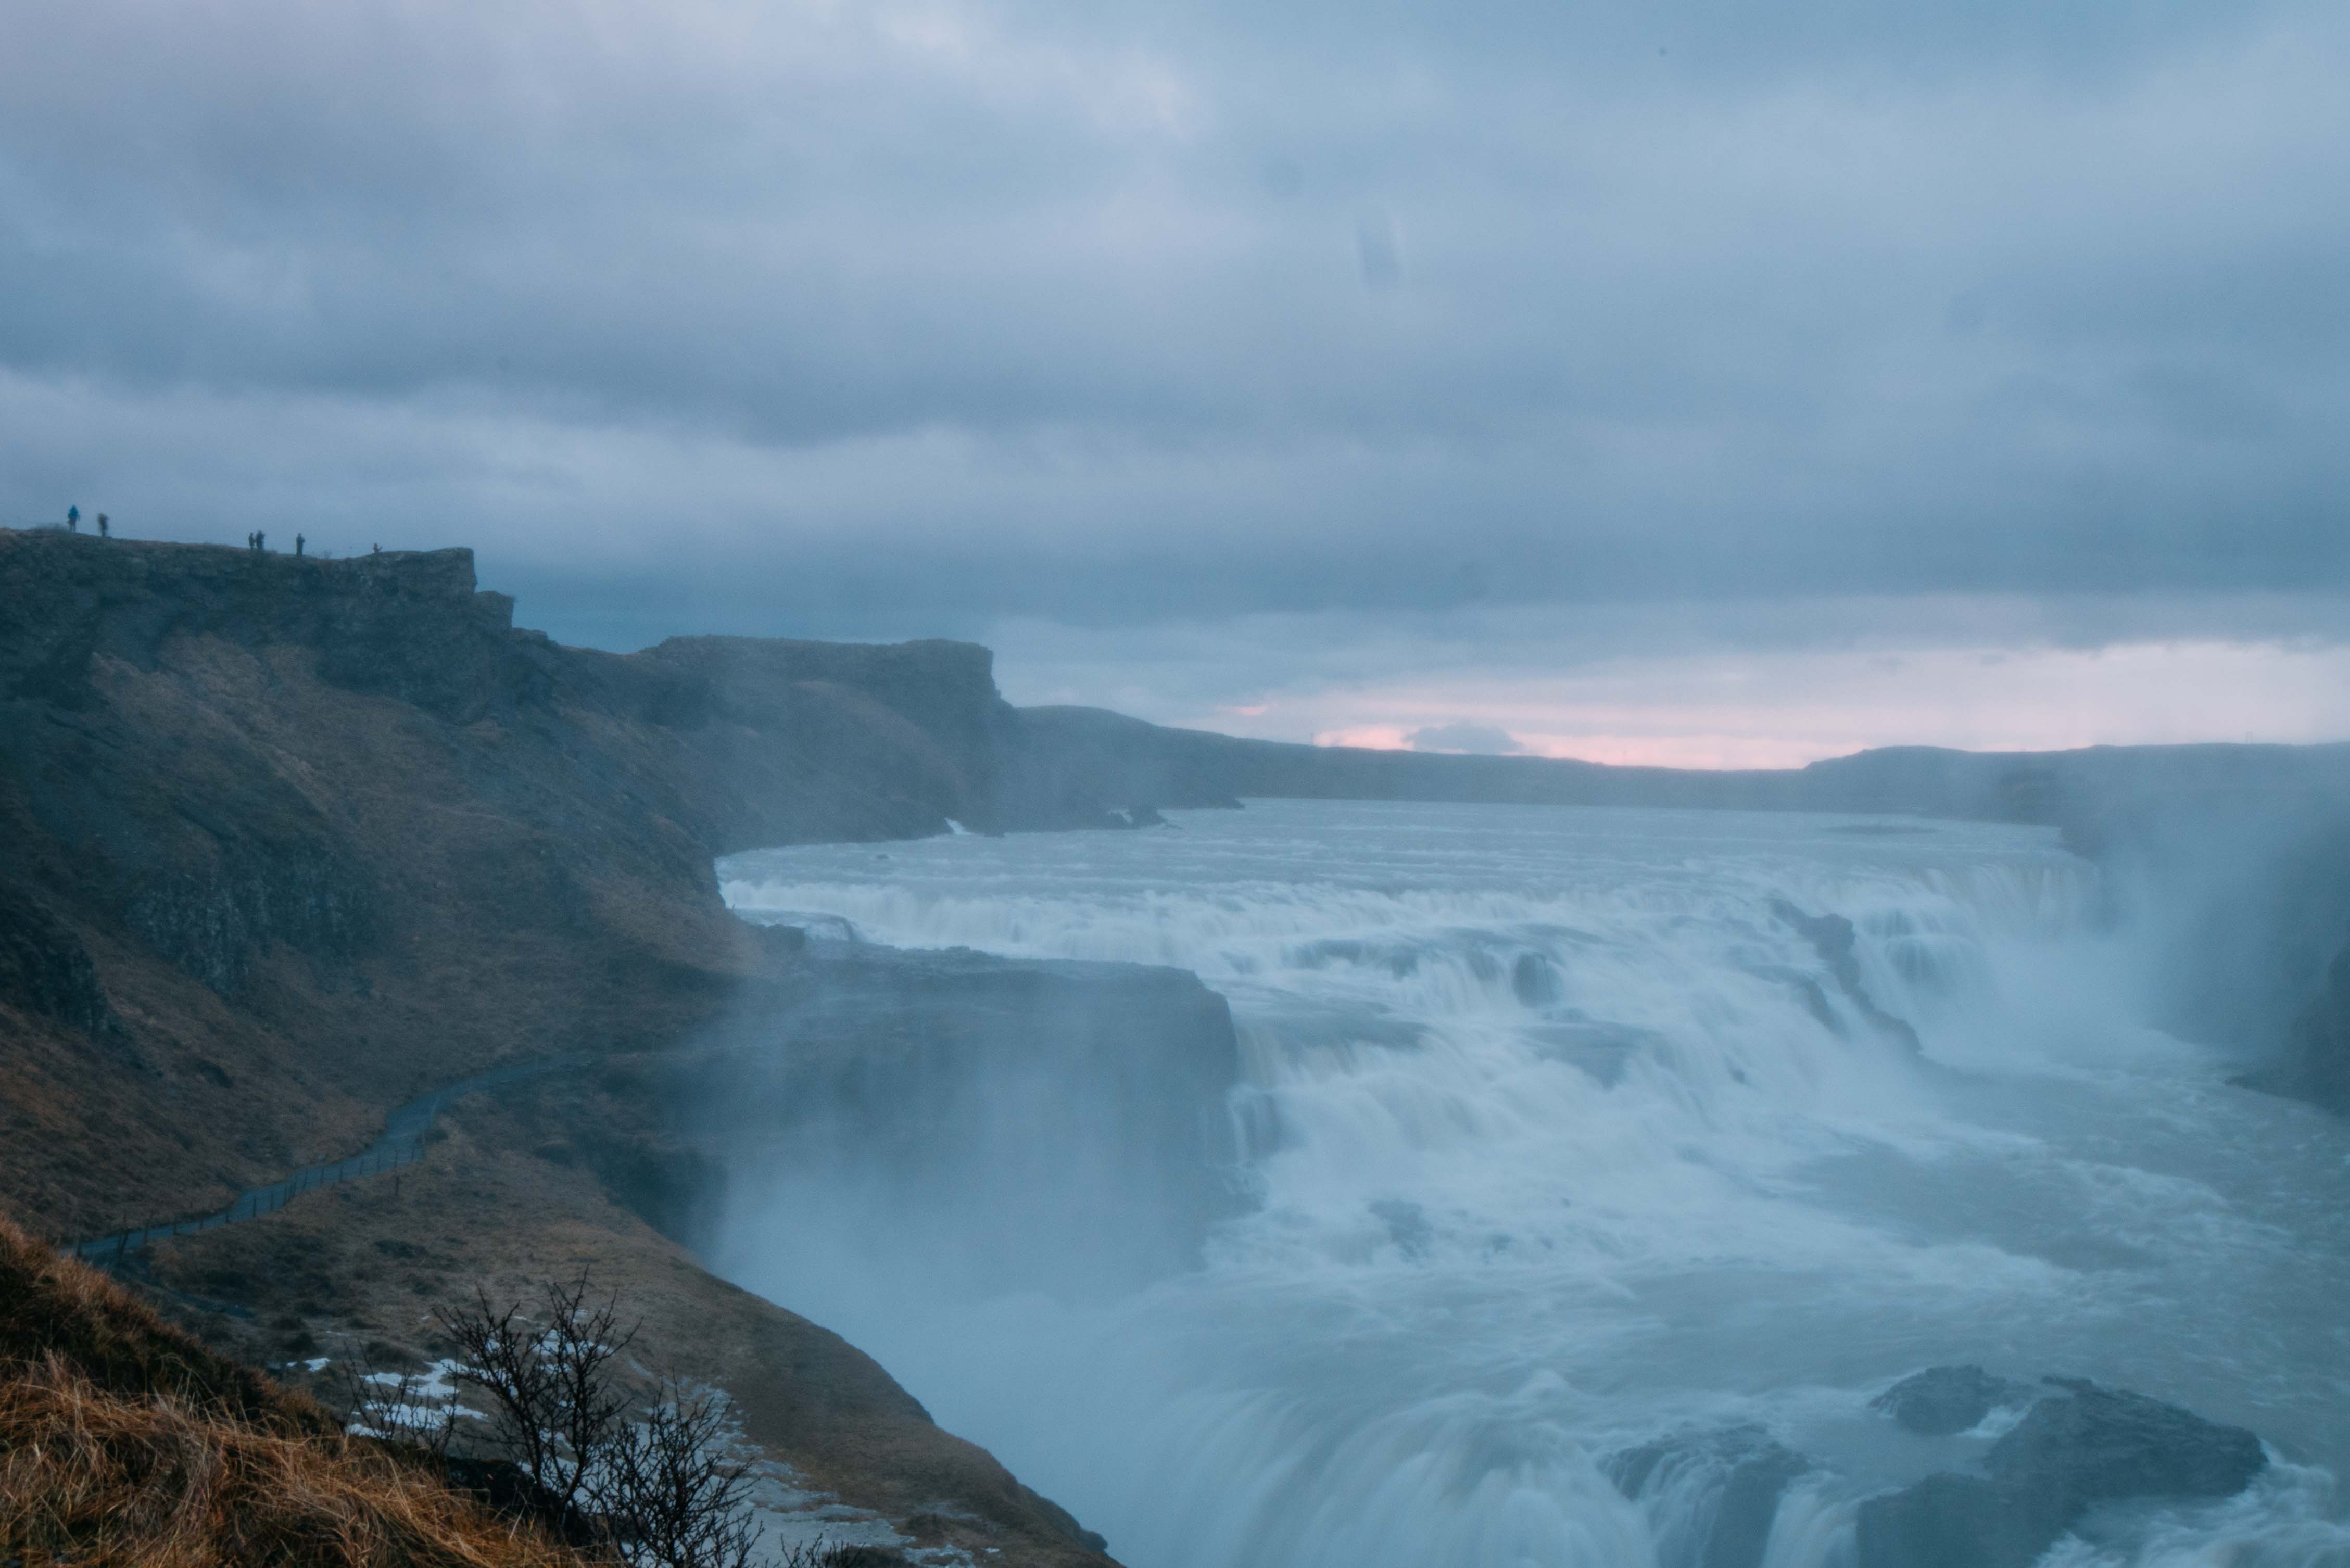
point(73, 518)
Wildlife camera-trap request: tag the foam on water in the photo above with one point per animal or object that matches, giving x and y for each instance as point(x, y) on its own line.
point(1564, 1136)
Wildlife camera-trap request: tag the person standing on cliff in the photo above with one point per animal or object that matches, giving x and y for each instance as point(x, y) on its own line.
point(261, 540)
point(102, 532)
point(298, 544)
point(73, 519)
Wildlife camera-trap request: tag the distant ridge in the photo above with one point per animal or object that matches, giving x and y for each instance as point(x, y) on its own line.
point(1071, 755)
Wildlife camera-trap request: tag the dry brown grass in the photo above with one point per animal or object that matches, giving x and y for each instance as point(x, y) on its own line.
point(123, 1441)
point(55, 1305)
point(94, 1478)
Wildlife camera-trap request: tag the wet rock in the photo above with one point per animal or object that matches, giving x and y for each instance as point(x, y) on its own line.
point(2070, 1453)
point(2104, 1444)
point(1833, 938)
point(1951, 1520)
point(2315, 1061)
point(1534, 980)
point(1941, 1400)
point(1712, 1495)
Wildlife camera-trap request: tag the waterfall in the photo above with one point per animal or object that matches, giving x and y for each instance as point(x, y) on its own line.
point(1581, 1135)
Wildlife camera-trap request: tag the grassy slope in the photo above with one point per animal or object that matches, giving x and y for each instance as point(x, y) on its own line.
point(359, 1266)
point(123, 1441)
point(260, 891)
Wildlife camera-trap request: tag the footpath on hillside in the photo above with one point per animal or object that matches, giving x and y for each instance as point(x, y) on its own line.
point(401, 1143)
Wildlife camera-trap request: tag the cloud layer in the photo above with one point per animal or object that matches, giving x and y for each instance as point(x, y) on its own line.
point(888, 319)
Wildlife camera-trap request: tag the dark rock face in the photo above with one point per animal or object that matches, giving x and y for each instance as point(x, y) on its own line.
point(285, 843)
point(2101, 1445)
point(1943, 1400)
point(1713, 1494)
point(2246, 893)
point(213, 923)
point(333, 831)
point(1533, 980)
point(1951, 1520)
point(1009, 1124)
point(409, 626)
point(2069, 1453)
point(1833, 939)
point(45, 969)
point(2315, 1063)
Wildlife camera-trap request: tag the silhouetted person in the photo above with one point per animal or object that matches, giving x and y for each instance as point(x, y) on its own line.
point(261, 539)
point(298, 544)
point(73, 519)
point(379, 549)
point(101, 528)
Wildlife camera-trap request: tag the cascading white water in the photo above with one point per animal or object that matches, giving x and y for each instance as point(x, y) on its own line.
point(1567, 1136)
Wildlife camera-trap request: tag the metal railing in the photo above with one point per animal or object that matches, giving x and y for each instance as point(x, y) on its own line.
point(401, 1143)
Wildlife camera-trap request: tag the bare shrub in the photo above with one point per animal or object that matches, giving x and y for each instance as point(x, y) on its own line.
point(818, 1555)
point(667, 1493)
point(657, 1492)
point(397, 1407)
point(555, 1407)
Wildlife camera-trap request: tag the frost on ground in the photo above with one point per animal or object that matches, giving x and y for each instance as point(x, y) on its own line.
point(402, 1405)
point(789, 1515)
point(792, 1517)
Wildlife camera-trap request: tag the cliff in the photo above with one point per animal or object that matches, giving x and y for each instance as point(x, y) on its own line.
point(2315, 1065)
point(293, 840)
point(290, 842)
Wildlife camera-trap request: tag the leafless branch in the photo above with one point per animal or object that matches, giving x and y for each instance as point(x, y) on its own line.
point(669, 1495)
point(395, 1408)
point(657, 1492)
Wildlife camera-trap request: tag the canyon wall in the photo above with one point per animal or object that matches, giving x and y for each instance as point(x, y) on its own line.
point(290, 842)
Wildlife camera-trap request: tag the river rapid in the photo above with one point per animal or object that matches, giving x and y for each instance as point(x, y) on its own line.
point(1562, 1134)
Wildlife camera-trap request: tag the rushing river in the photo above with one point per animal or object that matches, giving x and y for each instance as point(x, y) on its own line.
point(1564, 1137)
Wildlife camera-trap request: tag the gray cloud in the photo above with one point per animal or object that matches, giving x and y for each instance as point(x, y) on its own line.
point(869, 321)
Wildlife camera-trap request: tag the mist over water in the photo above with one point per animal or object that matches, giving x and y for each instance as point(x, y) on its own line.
point(1561, 1137)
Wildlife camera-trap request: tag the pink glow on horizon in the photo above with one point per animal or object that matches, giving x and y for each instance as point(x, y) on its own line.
point(1785, 709)
point(1709, 752)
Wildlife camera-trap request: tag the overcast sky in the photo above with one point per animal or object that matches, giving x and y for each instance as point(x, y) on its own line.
point(1687, 381)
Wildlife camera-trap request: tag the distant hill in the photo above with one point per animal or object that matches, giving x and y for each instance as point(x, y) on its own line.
point(1067, 759)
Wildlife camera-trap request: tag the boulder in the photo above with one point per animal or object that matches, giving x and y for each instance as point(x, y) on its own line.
point(1833, 939)
point(2102, 1445)
point(1943, 1400)
point(1712, 1495)
point(1953, 1520)
point(2070, 1453)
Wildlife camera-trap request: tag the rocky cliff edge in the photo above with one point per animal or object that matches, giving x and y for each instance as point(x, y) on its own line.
point(292, 841)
